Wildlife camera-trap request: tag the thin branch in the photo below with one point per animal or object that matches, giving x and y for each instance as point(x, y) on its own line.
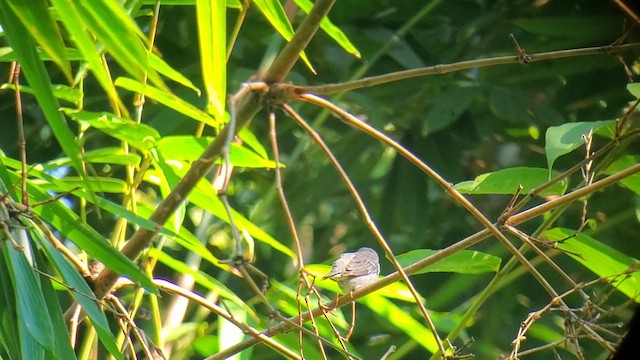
point(464, 65)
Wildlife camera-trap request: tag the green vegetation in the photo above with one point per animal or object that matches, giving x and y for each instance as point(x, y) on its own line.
point(177, 176)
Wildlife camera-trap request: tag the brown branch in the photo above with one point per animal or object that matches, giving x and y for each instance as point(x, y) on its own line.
point(464, 65)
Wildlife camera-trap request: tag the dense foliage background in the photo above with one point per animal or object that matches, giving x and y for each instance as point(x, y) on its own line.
point(111, 157)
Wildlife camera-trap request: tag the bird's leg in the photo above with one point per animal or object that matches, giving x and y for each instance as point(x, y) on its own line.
point(353, 318)
point(331, 307)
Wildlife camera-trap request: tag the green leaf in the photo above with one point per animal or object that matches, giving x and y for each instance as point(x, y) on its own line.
point(634, 89)
point(59, 185)
point(333, 31)
point(235, 4)
point(202, 278)
point(102, 184)
point(106, 155)
point(32, 310)
point(36, 17)
point(211, 16)
point(463, 262)
point(189, 148)
point(84, 236)
point(81, 291)
point(138, 135)
point(61, 92)
point(274, 12)
point(402, 320)
point(250, 139)
point(120, 36)
point(563, 139)
point(38, 78)
point(165, 69)
point(167, 99)
point(74, 24)
point(62, 349)
point(507, 181)
point(605, 261)
point(631, 182)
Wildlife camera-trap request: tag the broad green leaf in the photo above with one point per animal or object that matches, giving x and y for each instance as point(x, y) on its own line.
point(631, 182)
point(167, 99)
point(212, 28)
point(333, 31)
point(463, 262)
point(274, 12)
point(167, 179)
point(508, 180)
point(29, 346)
point(32, 310)
point(634, 89)
point(189, 148)
point(138, 135)
point(80, 290)
point(36, 17)
point(603, 260)
point(563, 139)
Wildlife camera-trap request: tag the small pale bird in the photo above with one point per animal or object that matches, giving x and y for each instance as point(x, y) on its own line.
point(355, 270)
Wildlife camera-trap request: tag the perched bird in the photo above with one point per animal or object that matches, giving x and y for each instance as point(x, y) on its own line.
point(355, 270)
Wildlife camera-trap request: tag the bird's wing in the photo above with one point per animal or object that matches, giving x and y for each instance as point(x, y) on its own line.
point(338, 267)
point(361, 265)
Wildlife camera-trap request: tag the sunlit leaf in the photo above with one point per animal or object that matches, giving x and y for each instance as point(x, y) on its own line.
point(606, 262)
point(563, 139)
point(507, 181)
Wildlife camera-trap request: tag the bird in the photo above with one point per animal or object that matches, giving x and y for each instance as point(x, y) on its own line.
point(355, 270)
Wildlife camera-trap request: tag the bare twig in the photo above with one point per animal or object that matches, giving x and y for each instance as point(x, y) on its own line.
point(463, 65)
